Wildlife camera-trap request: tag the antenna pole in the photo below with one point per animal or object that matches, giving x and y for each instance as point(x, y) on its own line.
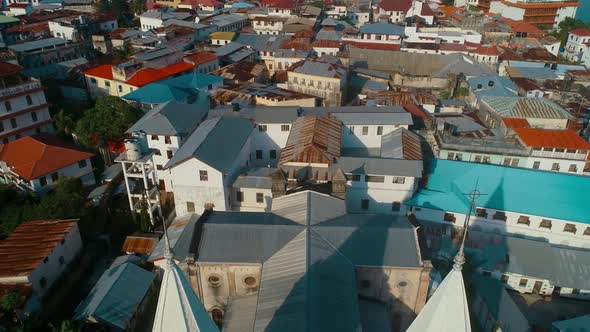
point(460, 257)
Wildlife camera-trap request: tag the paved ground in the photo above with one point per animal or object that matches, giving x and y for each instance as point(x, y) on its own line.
point(543, 311)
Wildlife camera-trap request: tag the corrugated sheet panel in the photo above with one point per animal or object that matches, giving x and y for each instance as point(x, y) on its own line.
point(282, 300)
point(313, 139)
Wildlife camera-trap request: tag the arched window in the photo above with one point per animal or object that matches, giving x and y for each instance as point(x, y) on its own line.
point(217, 316)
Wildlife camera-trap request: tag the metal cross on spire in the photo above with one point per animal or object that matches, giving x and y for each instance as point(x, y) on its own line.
point(460, 257)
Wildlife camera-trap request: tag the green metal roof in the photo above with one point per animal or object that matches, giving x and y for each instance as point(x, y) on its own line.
point(116, 296)
point(521, 190)
point(8, 19)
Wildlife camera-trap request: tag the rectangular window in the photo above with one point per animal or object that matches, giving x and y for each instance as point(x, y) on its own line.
point(93, 80)
point(1, 126)
point(570, 228)
point(82, 163)
point(120, 88)
point(524, 220)
point(155, 138)
point(43, 181)
point(545, 223)
point(482, 213)
point(364, 204)
point(365, 130)
point(259, 198)
point(273, 154)
point(190, 206)
point(506, 162)
point(169, 154)
point(353, 177)
point(258, 154)
point(158, 153)
point(450, 156)
point(536, 165)
point(487, 160)
point(374, 178)
point(379, 130)
point(107, 83)
point(399, 179)
point(587, 231)
point(499, 215)
point(29, 100)
point(285, 127)
point(449, 217)
point(477, 159)
point(351, 130)
point(13, 123)
point(54, 177)
point(239, 196)
point(555, 167)
point(34, 116)
point(514, 162)
point(167, 140)
point(573, 168)
point(262, 128)
point(159, 167)
point(203, 176)
point(504, 279)
point(8, 106)
point(459, 156)
point(396, 206)
point(523, 282)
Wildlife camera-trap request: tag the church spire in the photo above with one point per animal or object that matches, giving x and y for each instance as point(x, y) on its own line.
point(447, 310)
point(179, 308)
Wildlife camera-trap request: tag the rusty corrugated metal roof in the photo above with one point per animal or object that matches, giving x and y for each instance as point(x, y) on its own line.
point(140, 244)
point(29, 244)
point(313, 139)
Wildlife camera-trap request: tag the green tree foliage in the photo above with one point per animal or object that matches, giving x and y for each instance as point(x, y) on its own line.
point(566, 26)
point(66, 201)
point(137, 7)
point(108, 120)
point(9, 302)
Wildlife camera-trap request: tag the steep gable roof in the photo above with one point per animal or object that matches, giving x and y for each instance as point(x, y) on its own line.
point(39, 155)
point(313, 139)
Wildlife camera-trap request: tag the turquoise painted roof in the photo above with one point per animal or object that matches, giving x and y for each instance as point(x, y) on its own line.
point(182, 89)
point(581, 323)
point(521, 190)
point(117, 295)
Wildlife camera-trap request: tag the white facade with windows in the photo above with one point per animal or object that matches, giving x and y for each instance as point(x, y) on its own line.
point(82, 170)
point(166, 147)
point(577, 47)
point(366, 136)
point(23, 111)
point(556, 231)
point(379, 193)
point(267, 141)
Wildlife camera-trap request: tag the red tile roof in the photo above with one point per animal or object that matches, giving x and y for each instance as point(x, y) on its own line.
point(39, 155)
point(488, 50)
point(102, 71)
point(18, 5)
point(516, 122)
point(28, 245)
point(396, 5)
point(206, 3)
point(326, 43)
point(200, 58)
point(143, 76)
point(373, 46)
point(7, 68)
point(281, 4)
point(301, 44)
point(522, 26)
point(580, 32)
point(547, 138)
point(426, 10)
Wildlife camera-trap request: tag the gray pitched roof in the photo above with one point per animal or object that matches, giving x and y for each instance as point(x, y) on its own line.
point(171, 119)
point(216, 142)
point(180, 235)
point(385, 118)
point(260, 178)
point(308, 256)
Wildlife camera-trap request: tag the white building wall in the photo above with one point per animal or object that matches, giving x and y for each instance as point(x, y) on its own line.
point(148, 23)
point(381, 196)
point(555, 235)
point(18, 106)
point(274, 138)
point(498, 7)
point(249, 202)
point(63, 31)
point(353, 137)
point(53, 269)
point(84, 173)
point(161, 159)
point(187, 186)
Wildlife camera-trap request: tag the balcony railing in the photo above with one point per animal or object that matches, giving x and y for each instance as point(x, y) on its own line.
point(559, 155)
point(34, 84)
